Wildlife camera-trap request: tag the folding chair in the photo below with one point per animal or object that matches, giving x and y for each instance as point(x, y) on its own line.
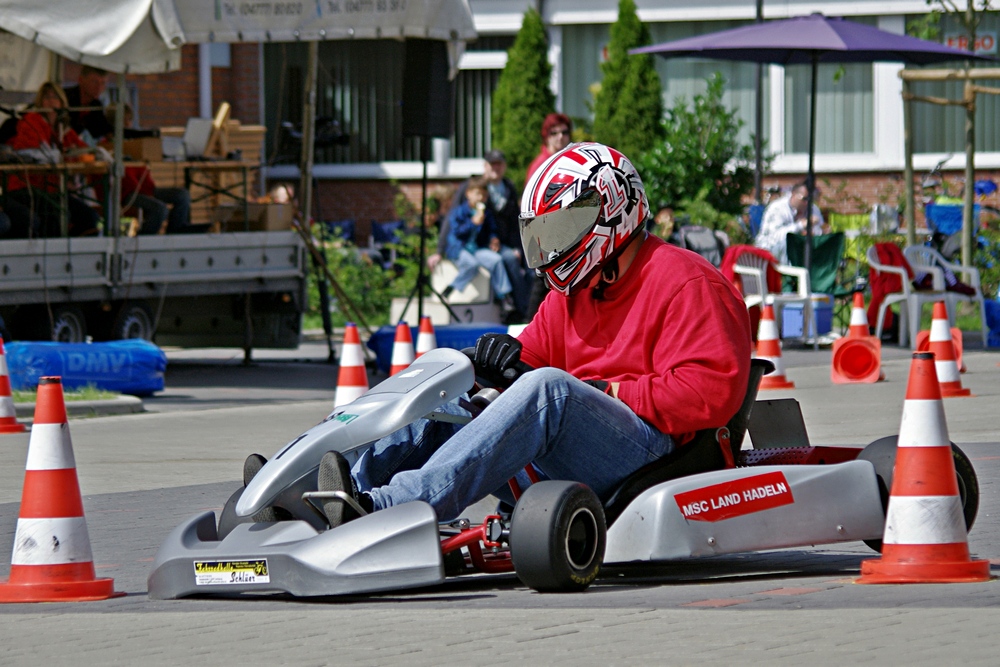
point(924, 259)
point(752, 268)
point(910, 300)
point(827, 273)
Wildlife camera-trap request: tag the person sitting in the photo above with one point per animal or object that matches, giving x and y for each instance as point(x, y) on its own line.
point(42, 136)
point(158, 205)
point(788, 215)
point(638, 345)
point(473, 242)
point(503, 203)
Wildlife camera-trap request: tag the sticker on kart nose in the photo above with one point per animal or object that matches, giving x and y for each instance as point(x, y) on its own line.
point(735, 498)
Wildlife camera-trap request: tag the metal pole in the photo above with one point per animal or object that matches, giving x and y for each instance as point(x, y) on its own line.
point(811, 176)
point(308, 135)
point(911, 200)
point(968, 224)
point(118, 167)
point(758, 170)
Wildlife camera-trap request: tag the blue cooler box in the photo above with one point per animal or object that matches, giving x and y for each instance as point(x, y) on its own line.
point(791, 317)
point(455, 336)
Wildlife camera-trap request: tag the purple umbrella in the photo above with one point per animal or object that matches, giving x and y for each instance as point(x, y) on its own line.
point(810, 40)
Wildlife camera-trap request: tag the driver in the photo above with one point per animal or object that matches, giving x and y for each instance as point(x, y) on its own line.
point(638, 345)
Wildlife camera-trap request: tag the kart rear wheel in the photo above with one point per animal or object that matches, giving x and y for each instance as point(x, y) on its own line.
point(882, 455)
point(557, 537)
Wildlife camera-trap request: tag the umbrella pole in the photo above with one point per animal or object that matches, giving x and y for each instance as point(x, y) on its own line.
point(811, 175)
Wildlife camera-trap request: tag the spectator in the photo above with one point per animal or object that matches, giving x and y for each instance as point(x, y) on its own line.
point(503, 202)
point(43, 136)
point(784, 216)
point(90, 124)
point(473, 242)
point(557, 130)
point(158, 205)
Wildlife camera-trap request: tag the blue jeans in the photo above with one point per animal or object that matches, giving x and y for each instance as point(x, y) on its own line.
point(570, 430)
point(468, 263)
point(155, 210)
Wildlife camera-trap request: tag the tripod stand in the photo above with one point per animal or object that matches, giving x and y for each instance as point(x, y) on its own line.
point(423, 280)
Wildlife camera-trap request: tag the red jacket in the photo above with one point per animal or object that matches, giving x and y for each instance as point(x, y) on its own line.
point(673, 332)
point(34, 131)
point(885, 283)
point(772, 276)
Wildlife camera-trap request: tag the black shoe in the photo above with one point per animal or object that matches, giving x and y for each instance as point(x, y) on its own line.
point(251, 467)
point(446, 292)
point(335, 475)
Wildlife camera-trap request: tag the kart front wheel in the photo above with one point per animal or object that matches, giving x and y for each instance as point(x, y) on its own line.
point(882, 455)
point(557, 537)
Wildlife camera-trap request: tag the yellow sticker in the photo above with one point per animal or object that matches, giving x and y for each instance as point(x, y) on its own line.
point(231, 572)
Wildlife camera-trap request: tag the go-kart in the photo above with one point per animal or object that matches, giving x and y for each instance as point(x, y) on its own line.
point(710, 497)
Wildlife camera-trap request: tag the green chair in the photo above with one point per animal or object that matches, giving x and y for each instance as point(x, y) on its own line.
point(826, 275)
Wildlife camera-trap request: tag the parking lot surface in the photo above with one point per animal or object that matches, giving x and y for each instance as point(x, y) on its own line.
point(141, 474)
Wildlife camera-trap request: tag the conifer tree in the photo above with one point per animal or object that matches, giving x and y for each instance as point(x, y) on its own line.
point(628, 109)
point(522, 97)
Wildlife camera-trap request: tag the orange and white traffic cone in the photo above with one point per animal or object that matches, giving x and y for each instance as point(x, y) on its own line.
point(402, 349)
point(857, 357)
point(944, 355)
point(859, 318)
point(352, 379)
point(769, 347)
point(925, 537)
point(426, 339)
point(52, 561)
point(923, 340)
point(8, 416)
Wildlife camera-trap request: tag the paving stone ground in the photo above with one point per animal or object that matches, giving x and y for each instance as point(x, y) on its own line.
point(142, 474)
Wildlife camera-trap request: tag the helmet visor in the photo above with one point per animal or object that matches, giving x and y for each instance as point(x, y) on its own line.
point(548, 237)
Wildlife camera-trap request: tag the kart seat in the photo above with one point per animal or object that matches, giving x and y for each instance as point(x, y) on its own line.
point(702, 454)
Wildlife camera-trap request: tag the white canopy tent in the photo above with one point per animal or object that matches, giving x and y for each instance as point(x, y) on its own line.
point(145, 36)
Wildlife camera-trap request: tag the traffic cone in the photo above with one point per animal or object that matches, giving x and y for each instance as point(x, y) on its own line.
point(402, 349)
point(52, 561)
point(925, 537)
point(352, 379)
point(944, 355)
point(426, 340)
point(924, 344)
point(769, 347)
point(859, 318)
point(857, 358)
point(8, 416)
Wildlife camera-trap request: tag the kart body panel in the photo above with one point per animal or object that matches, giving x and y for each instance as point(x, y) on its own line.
point(396, 548)
point(749, 509)
point(435, 378)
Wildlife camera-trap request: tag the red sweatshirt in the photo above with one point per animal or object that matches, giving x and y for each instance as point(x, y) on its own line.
point(33, 130)
point(672, 331)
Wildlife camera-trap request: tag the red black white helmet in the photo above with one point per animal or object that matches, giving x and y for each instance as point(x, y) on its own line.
point(578, 212)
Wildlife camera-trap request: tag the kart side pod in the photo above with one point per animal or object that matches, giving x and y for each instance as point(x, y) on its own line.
point(749, 509)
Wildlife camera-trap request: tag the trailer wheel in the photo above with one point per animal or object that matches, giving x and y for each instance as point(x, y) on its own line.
point(68, 325)
point(133, 321)
point(882, 455)
point(557, 536)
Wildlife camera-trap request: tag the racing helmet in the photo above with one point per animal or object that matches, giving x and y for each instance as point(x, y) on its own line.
point(578, 212)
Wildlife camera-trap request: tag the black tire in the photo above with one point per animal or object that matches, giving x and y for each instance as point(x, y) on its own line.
point(68, 325)
point(557, 537)
point(133, 321)
point(882, 455)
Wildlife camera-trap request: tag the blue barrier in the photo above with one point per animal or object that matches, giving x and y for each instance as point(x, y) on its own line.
point(132, 367)
point(455, 336)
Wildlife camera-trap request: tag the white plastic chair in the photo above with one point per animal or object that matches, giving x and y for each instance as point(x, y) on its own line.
point(910, 300)
point(928, 260)
point(753, 276)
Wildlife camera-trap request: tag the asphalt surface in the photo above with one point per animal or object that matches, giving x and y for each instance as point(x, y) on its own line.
point(141, 474)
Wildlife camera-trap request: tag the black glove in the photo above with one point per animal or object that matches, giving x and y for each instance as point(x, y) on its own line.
point(598, 384)
point(495, 354)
